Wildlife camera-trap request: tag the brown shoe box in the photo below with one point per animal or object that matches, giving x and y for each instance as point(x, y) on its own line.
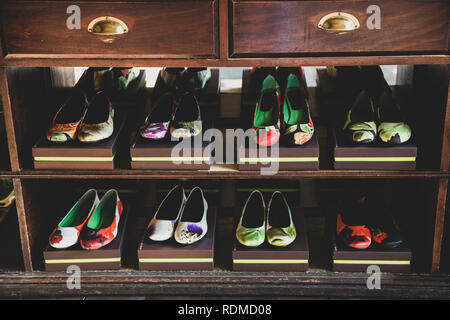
point(157, 154)
point(288, 157)
point(376, 155)
point(170, 255)
point(294, 257)
point(107, 258)
point(305, 157)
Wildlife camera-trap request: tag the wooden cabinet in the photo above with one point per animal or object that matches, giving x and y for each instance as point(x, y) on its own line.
point(152, 29)
point(291, 28)
point(38, 47)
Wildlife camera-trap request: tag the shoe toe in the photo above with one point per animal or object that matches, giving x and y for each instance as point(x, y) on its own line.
point(186, 129)
point(250, 237)
point(154, 132)
point(268, 138)
point(187, 233)
point(363, 136)
point(94, 135)
point(63, 238)
point(59, 137)
point(394, 133)
point(281, 237)
point(160, 230)
point(301, 138)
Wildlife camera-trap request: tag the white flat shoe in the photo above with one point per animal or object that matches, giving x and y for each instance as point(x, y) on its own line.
point(162, 225)
point(193, 225)
point(67, 233)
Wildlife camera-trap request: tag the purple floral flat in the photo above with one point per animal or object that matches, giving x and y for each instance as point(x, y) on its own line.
point(157, 123)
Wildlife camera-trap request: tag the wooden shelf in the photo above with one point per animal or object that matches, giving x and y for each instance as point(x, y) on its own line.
point(26, 61)
point(219, 283)
point(230, 175)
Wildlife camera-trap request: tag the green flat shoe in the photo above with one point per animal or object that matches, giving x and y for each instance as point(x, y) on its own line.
point(266, 120)
point(280, 229)
point(360, 126)
point(251, 229)
point(391, 129)
point(297, 123)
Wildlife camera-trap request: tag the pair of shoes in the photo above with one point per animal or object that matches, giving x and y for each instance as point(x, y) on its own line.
point(87, 121)
point(360, 226)
point(296, 123)
point(181, 117)
point(257, 223)
point(185, 79)
point(190, 214)
point(88, 114)
point(91, 221)
point(373, 109)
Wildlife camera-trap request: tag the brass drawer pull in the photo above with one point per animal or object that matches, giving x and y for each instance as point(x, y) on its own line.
point(339, 22)
point(107, 26)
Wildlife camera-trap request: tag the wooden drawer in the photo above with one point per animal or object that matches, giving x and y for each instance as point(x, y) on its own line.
point(290, 28)
point(156, 29)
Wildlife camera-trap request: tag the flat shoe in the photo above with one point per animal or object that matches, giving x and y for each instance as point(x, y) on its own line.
point(280, 229)
point(103, 225)
point(98, 124)
point(193, 225)
point(68, 119)
point(162, 225)
point(158, 121)
point(187, 120)
point(67, 233)
point(251, 229)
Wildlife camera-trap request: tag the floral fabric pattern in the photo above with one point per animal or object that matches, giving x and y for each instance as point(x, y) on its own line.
point(155, 131)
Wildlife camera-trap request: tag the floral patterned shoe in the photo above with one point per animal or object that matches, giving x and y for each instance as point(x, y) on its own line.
point(193, 225)
point(122, 77)
point(360, 125)
point(280, 229)
point(162, 225)
point(98, 124)
point(266, 121)
point(251, 229)
point(187, 120)
point(67, 120)
point(351, 230)
point(157, 123)
point(297, 123)
point(67, 232)
point(391, 129)
point(103, 225)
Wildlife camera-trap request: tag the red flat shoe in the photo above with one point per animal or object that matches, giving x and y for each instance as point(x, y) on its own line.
point(103, 225)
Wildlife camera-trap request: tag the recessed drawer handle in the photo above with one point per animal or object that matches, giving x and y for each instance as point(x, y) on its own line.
point(339, 22)
point(107, 26)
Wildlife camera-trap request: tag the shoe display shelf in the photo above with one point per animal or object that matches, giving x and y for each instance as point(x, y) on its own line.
point(37, 62)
